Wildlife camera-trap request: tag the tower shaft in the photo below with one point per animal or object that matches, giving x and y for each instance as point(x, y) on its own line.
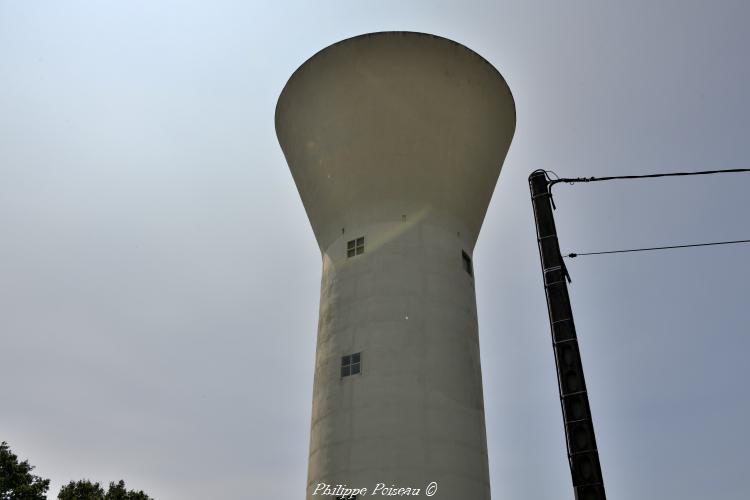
point(414, 412)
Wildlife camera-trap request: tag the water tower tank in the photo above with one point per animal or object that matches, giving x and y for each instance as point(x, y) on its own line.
point(395, 141)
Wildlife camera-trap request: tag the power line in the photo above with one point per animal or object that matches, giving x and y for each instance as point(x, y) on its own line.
point(575, 180)
point(646, 176)
point(573, 255)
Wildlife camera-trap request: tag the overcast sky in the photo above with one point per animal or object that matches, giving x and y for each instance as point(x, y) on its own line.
point(159, 280)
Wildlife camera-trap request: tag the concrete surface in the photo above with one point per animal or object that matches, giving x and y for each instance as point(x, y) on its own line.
point(398, 137)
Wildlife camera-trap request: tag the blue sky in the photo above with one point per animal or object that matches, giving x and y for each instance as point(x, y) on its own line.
point(159, 281)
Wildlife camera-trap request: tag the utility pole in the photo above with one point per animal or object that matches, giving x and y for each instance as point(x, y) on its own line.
point(583, 455)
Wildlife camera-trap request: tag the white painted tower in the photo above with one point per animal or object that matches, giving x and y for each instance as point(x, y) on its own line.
point(395, 141)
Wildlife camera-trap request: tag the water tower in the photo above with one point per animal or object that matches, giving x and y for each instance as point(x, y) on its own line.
point(395, 141)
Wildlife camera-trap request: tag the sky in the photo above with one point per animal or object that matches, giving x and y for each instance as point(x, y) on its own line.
point(159, 280)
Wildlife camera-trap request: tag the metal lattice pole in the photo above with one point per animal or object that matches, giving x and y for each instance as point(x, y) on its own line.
point(583, 455)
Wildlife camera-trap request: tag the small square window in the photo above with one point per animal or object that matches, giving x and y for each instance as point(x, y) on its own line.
point(467, 263)
point(351, 364)
point(355, 247)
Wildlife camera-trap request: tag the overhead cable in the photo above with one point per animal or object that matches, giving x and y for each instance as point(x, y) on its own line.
point(670, 247)
point(575, 180)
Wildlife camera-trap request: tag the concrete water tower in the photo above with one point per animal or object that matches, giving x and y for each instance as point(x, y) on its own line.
point(395, 141)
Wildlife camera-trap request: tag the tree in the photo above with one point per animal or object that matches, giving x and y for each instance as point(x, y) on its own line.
point(81, 490)
point(86, 490)
point(17, 483)
point(118, 492)
point(16, 480)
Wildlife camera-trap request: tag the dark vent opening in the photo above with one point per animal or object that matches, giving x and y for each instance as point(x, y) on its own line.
point(467, 263)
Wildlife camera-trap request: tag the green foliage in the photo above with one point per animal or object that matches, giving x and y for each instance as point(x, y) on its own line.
point(86, 490)
point(118, 492)
point(16, 480)
point(81, 490)
point(17, 483)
